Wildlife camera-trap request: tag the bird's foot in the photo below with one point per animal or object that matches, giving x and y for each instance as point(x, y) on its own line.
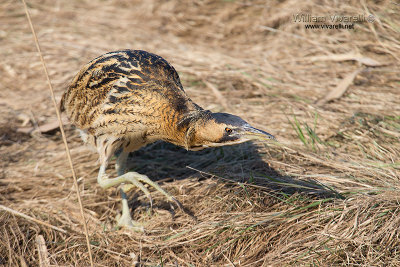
point(126, 221)
point(129, 187)
point(137, 179)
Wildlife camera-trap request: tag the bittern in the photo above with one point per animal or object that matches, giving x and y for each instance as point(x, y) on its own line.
point(124, 100)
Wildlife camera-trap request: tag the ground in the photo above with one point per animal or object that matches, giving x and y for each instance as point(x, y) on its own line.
point(326, 194)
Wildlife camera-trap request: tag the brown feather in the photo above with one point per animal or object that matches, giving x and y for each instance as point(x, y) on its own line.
point(127, 99)
point(128, 94)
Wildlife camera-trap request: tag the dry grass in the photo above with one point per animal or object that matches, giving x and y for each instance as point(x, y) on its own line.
point(327, 195)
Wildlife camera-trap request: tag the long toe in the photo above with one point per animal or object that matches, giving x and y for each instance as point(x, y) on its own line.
point(128, 223)
point(147, 180)
point(128, 187)
point(179, 204)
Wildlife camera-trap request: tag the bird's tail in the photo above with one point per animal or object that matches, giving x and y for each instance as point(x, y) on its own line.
point(61, 105)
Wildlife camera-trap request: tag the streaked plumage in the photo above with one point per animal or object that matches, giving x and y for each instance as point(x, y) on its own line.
point(127, 99)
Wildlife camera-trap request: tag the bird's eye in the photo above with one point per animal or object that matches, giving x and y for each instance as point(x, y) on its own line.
point(228, 130)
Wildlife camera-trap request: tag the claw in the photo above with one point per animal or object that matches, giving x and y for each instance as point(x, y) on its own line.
point(180, 206)
point(145, 179)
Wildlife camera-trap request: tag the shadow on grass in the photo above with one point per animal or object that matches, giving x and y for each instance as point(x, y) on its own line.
point(231, 164)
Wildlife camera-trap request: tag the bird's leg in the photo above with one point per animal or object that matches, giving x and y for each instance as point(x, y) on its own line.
point(129, 180)
point(120, 166)
point(125, 220)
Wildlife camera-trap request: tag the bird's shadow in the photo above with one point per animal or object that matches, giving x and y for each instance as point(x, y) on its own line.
point(244, 163)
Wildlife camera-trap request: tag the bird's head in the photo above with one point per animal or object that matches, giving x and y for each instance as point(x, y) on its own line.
point(221, 129)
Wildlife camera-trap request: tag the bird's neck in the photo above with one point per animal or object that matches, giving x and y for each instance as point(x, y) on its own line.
point(177, 115)
point(182, 131)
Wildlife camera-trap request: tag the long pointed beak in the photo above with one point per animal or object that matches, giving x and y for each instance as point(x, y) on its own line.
point(253, 133)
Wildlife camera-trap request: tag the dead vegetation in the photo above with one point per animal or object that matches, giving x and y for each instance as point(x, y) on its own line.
point(327, 195)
